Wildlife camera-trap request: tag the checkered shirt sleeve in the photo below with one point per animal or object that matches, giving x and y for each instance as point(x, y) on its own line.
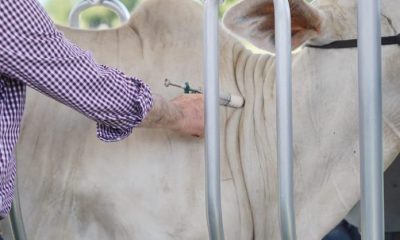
point(34, 53)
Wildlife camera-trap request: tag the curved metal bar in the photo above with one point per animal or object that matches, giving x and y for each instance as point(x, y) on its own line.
point(284, 117)
point(115, 5)
point(212, 148)
point(370, 114)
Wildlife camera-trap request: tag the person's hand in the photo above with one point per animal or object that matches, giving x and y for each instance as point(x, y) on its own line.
point(183, 114)
point(190, 114)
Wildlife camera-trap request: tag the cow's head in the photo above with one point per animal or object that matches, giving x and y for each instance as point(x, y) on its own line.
point(321, 22)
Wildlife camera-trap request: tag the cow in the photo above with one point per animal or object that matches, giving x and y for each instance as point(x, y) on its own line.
point(151, 185)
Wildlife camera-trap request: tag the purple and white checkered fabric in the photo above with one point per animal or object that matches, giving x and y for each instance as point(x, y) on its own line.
point(34, 53)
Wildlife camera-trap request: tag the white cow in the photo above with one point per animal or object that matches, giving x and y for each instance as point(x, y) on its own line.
point(151, 185)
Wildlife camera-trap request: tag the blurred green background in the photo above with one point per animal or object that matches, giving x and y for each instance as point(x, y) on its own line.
point(97, 17)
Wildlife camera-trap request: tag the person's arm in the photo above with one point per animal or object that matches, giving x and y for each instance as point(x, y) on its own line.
point(184, 114)
point(33, 51)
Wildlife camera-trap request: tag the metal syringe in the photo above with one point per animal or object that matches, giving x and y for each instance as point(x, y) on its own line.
point(225, 99)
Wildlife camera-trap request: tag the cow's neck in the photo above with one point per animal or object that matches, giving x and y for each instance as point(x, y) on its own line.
point(251, 138)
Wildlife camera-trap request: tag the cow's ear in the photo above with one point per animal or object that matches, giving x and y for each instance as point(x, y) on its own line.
point(254, 21)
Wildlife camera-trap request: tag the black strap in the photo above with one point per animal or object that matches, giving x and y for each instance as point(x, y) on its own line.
point(352, 43)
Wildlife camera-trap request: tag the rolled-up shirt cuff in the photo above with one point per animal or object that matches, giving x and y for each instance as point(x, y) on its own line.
point(116, 129)
point(110, 134)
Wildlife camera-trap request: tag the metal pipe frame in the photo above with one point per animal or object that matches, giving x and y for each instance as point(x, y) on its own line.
point(284, 117)
point(370, 114)
point(212, 130)
point(115, 5)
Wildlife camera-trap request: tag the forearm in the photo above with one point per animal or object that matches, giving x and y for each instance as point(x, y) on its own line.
point(163, 114)
point(183, 114)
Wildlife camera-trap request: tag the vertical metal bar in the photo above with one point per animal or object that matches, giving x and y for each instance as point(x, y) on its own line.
point(284, 118)
point(17, 223)
point(370, 104)
point(211, 72)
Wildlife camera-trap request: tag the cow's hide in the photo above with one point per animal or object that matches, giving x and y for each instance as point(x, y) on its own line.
point(151, 185)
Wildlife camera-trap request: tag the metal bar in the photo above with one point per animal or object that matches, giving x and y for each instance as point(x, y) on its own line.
point(115, 5)
point(370, 113)
point(212, 138)
point(17, 223)
point(284, 118)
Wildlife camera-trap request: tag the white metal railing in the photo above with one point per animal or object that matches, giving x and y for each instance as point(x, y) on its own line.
point(212, 138)
point(284, 117)
point(370, 112)
point(115, 5)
